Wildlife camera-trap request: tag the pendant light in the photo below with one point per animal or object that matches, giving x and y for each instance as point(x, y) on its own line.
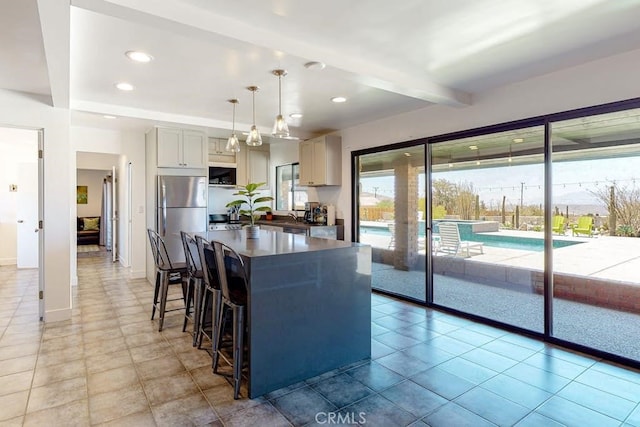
point(280, 128)
point(232, 143)
point(254, 138)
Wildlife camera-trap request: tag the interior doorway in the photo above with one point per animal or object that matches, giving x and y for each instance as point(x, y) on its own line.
point(21, 209)
point(97, 205)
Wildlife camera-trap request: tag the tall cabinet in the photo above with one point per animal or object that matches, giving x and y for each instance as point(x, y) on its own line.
point(253, 165)
point(320, 161)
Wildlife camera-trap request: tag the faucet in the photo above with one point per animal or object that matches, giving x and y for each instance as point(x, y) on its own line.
point(294, 216)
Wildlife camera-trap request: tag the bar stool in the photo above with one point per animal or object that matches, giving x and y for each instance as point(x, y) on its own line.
point(234, 299)
point(167, 273)
point(211, 295)
point(195, 288)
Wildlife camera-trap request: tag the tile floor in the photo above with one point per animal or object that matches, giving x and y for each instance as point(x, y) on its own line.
point(108, 365)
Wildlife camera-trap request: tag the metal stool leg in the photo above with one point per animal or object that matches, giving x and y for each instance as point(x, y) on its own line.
point(189, 300)
point(164, 290)
point(238, 348)
point(155, 293)
point(197, 302)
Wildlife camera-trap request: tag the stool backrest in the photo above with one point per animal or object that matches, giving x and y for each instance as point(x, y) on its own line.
point(191, 253)
point(205, 254)
point(159, 249)
point(220, 252)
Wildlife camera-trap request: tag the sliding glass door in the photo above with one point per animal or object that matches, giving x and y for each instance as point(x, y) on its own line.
point(534, 225)
point(488, 220)
point(391, 218)
point(596, 189)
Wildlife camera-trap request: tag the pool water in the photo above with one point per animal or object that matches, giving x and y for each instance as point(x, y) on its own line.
point(497, 241)
point(523, 243)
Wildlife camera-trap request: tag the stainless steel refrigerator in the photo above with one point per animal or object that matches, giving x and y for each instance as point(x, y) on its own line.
point(182, 206)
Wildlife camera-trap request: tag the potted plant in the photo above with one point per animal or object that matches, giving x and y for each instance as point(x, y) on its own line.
point(251, 196)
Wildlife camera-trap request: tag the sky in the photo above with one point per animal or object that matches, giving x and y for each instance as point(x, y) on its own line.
point(573, 181)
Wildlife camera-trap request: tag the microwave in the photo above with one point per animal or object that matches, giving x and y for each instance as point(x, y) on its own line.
point(222, 175)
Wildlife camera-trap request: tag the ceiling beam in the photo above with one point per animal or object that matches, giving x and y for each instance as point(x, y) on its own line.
point(55, 25)
point(182, 18)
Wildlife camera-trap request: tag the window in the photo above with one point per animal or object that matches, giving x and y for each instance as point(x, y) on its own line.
point(289, 195)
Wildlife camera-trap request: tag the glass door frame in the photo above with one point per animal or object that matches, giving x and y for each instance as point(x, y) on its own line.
point(546, 121)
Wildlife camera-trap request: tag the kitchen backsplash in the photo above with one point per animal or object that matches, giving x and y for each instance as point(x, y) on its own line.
point(220, 196)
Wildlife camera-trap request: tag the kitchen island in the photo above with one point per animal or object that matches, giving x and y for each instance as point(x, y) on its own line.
point(309, 305)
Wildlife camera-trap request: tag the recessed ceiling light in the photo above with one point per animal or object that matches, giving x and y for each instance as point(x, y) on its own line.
point(473, 147)
point(107, 116)
point(517, 140)
point(407, 154)
point(338, 99)
point(138, 56)
point(124, 86)
point(295, 115)
point(314, 65)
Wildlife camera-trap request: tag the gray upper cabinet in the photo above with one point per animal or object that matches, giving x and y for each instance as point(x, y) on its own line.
point(320, 161)
point(181, 148)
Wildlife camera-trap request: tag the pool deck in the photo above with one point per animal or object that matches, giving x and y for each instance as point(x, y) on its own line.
point(599, 257)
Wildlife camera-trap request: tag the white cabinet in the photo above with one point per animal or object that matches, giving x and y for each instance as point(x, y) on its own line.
point(178, 148)
point(218, 152)
point(320, 161)
point(253, 165)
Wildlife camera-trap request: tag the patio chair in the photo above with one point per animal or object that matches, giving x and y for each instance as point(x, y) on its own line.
point(450, 242)
point(558, 224)
point(584, 226)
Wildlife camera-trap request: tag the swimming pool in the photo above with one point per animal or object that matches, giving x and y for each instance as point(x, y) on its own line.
point(498, 241)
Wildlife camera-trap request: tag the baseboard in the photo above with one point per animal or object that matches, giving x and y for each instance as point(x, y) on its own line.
point(8, 261)
point(137, 274)
point(57, 315)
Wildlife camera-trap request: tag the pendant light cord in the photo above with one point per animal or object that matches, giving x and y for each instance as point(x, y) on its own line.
point(279, 94)
point(233, 123)
point(253, 106)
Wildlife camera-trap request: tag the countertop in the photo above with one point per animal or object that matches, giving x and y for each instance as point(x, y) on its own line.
point(272, 243)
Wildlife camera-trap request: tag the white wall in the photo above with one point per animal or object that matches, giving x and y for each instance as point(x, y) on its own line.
point(16, 146)
point(93, 180)
point(35, 112)
point(597, 82)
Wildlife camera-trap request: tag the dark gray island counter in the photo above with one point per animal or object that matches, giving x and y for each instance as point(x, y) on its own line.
point(309, 305)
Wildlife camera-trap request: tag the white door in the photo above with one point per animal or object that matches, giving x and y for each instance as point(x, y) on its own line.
point(114, 215)
point(27, 216)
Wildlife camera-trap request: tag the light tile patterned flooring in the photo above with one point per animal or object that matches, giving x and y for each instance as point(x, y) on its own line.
point(108, 365)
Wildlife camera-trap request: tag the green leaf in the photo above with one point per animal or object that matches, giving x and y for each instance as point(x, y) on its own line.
point(251, 187)
point(262, 208)
point(263, 199)
point(235, 203)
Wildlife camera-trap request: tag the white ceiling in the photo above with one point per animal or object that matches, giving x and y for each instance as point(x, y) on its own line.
point(385, 57)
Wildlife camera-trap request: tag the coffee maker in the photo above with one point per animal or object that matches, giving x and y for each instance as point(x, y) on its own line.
point(310, 210)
